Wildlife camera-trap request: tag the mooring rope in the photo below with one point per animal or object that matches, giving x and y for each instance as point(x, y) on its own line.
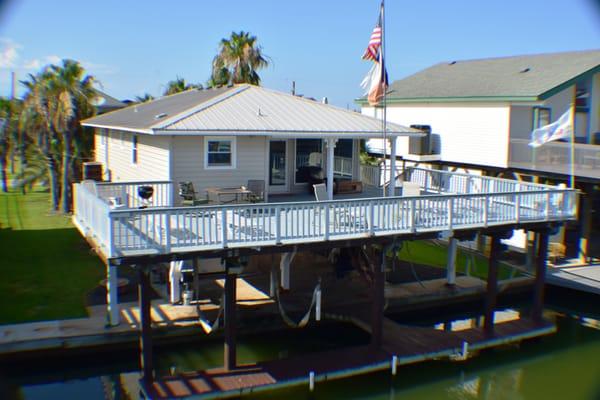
point(304, 321)
point(206, 326)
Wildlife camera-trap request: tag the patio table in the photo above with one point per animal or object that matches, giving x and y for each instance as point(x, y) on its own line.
point(234, 195)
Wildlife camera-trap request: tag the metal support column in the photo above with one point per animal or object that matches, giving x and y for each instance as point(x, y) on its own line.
point(540, 277)
point(587, 203)
point(112, 297)
point(451, 262)
point(230, 356)
point(492, 286)
point(146, 357)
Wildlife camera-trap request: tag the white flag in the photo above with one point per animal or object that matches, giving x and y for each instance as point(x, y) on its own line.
point(560, 129)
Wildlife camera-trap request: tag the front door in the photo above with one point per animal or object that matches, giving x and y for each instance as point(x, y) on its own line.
point(278, 176)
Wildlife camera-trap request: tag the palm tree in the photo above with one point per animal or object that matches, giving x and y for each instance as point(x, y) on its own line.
point(58, 98)
point(5, 129)
point(179, 85)
point(238, 60)
point(36, 121)
point(73, 92)
point(144, 98)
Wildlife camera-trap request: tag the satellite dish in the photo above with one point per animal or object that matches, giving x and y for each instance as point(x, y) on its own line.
point(98, 101)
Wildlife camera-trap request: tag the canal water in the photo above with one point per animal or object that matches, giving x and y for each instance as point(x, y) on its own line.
point(562, 366)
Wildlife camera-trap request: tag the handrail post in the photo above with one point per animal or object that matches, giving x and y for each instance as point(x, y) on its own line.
point(326, 206)
point(412, 219)
point(167, 232)
point(278, 225)
point(111, 239)
point(371, 218)
point(485, 210)
point(450, 212)
point(224, 227)
point(547, 210)
point(517, 206)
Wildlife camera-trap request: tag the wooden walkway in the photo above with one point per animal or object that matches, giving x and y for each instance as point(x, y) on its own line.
point(409, 344)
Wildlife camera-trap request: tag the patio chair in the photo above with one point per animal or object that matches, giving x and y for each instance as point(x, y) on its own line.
point(320, 190)
point(188, 195)
point(257, 187)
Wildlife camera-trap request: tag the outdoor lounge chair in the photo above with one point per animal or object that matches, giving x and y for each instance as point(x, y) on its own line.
point(188, 195)
point(257, 187)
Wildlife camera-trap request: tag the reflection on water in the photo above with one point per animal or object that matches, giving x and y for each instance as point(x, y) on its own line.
point(564, 365)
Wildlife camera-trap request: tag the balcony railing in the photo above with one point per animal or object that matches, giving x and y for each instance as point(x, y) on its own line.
point(461, 202)
point(555, 157)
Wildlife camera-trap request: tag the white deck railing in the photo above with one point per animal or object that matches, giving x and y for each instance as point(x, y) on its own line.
point(122, 232)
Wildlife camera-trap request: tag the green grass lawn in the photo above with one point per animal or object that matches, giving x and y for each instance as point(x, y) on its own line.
point(47, 268)
point(429, 253)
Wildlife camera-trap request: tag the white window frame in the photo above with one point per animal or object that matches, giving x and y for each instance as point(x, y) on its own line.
point(231, 139)
point(135, 153)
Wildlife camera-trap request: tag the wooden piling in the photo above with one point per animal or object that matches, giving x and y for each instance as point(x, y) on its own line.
point(540, 277)
point(378, 265)
point(146, 356)
point(492, 286)
point(230, 320)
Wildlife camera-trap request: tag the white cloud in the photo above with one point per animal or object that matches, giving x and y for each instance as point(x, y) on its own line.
point(91, 67)
point(9, 53)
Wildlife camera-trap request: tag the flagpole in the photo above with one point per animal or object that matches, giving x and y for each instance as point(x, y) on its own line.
point(572, 179)
point(384, 124)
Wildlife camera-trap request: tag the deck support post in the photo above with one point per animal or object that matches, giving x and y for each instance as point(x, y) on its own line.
point(146, 357)
point(112, 296)
point(451, 263)
point(378, 298)
point(587, 202)
point(392, 185)
point(492, 286)
point(229, 354)
point(330, 143)
point(284, 265)
point(196, 278)
point(540, 277)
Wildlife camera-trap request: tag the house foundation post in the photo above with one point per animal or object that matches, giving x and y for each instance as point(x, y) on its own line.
point(230, 354)
point(492, 286)
point(196, 278)
point(145, 325)
point(378, 265)
point(112, 295)
point(540, 277)
point(330, 143)
point(451, 262)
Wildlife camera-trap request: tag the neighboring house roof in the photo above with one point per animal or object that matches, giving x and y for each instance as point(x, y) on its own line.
point(105, 103)
point(243, 110)
point(518, 78)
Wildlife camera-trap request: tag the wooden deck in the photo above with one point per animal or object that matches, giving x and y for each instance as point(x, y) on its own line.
point(450, 201)
point(409, 343)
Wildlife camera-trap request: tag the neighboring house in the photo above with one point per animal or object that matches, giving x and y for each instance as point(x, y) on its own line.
point(482, 112)
point(224, 137)
point(105, 103)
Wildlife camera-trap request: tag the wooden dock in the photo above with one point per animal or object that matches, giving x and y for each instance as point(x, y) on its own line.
point(585, 278)
point(409, 344)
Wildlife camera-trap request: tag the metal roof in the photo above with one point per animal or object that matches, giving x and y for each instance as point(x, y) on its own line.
point(527, 77)
point(141, 117)
point(245, 110)
point(104, 102)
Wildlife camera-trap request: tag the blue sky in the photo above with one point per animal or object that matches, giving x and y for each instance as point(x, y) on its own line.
point(134, 47)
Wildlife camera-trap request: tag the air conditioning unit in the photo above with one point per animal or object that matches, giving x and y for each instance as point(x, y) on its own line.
point(420, 145)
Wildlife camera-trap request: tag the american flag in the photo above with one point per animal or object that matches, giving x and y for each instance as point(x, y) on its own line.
point(372, 51)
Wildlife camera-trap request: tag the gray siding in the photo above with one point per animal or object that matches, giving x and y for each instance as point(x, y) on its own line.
point(153, 157)
point(188, 163)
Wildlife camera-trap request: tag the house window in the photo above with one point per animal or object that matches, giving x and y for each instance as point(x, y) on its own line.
point(541, 116)
point(219, 152)
point(308, 153)
point(134, 149)
point(103, 136)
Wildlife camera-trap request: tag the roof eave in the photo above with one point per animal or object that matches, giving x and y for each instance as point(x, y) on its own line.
point(118, 128)
point(284, 134)
point(557, 89)
point(463, 99)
